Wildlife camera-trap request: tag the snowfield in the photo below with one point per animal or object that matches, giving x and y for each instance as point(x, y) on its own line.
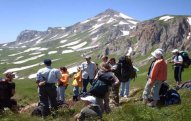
point(52, 52)
point(78, 46)
point(63, 41)
point(16, 54)
point(36, 53)
point(166, 18)
point(70, 44)
point(67, 51)
point(122, 23)
point(29, 59)
point(89, 47)
point(110, 20)
point(19, 57)
point(125, 33)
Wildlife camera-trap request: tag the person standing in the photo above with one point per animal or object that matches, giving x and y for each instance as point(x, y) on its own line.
point(157, 75)
point(46, 79)
point(77, 83)
point(62, 85)
point(88, 69)
point(177, 61)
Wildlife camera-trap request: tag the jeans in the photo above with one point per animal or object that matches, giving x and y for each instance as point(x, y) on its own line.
point(85, 84)
point(124, 88)
point(178, 73)
point(76, 91)
point(61, 93)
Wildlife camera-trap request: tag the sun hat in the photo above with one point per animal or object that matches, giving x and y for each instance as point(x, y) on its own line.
point(91, 99)
point(175, 51)
point(157, 54)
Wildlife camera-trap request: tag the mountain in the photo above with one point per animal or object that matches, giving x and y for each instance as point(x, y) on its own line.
point(167, 32)
point(99, 30)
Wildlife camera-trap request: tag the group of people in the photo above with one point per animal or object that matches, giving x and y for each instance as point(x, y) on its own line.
point(52, 84)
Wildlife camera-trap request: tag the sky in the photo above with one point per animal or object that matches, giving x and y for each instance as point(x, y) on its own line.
point(19, 15)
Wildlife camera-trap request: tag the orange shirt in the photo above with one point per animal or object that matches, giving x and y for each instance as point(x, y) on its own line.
point(159, 71)
point(65, 78)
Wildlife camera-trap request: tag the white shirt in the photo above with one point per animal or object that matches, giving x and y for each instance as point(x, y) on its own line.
point(49, 75)
point(177, 59)
point(88, 70)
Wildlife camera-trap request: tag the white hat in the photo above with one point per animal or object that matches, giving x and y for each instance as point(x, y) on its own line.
point(175, 51)
point(87, 56)
point(159, 49)
point(89, 99)
point(157, 54)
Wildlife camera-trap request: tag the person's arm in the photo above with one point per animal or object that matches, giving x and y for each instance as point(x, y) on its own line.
point(116, 80)
point(154, 73)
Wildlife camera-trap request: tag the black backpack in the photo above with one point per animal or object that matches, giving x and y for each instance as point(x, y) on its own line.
point(125, 69)
point(186, 59)
point(171, 97)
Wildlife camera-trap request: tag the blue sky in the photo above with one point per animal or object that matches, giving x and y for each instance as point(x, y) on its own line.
point(18, 15)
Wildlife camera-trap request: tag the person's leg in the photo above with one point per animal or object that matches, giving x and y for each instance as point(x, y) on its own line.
point(115, 95)
point(52, 93)
point(43, 96)
point(179, 75)
point(76, 93)
point(127, 88)
point(85, 84)
point(99, 101)
point(146, 92)
point(176, 75)
point(122, 89)
point(106, 102)
point(156, 89)
point(12, 105)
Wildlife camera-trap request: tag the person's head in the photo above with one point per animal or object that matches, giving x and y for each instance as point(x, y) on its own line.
point(88, 58)
point(157, 54)
point(47, 62)
point(175, 52)
point(89, 100)
point(104, 59)
point(63, 69)
point(9, 75)
point(105, 67)
point(112, 61)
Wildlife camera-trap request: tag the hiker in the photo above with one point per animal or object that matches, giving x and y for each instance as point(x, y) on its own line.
point(91, 111)
point(114, 95)
point(62, 85)
point(104, 59)
point(7, 90)
point(105, 79)
point(77, 83)
point(88, 69)
point(177, 61)
point(46, 79)
point(157, 75)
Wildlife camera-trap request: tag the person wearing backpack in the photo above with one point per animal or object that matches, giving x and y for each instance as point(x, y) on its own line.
point(177, 61)
point(7, 91)
point(157, 75)
point(46, 80)
point(105, 78)
point(62, 85)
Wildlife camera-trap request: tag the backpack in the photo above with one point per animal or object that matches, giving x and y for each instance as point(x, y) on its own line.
point(186, 59)
point(171, 97)
point(6, 89)
point(125, 69)
point(100, 86)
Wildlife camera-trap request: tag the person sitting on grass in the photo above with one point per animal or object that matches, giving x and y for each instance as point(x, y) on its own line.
point(7, 90)
point(91, 111)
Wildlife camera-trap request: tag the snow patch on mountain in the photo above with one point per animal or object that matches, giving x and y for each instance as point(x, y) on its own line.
point(78, 46)
point(166, 18)
point(86, 21)
point(122, 23)
point(34, 39)
point(97, 26)
point(189, 35)
point(53, 37)
point(36, 53)
point(16, 54)
point(32, 76)
point(52, 52)
point(43, 49)
point(125, 33)
point(38, 41)
point(70, 44)
point(189, 20)
point(133, 22)
point(124, 16)
point(28, 59)
point(19, 57)
point(65, 35)
point(87, 48)
point(32, 49)
point(111, 20)
point(63, 41)
point(4, 45)
point(67, 51)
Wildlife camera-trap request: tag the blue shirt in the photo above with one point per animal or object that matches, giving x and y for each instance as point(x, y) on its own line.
point(48, 74)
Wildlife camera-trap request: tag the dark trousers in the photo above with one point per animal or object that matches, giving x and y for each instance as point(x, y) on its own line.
point(48, 94)
point(9, 103)
point(178, 73)
point(85, 84)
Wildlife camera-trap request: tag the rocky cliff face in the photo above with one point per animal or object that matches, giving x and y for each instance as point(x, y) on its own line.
point(165, 32)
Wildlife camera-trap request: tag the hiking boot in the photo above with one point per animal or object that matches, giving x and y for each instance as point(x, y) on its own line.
point(152, 104)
